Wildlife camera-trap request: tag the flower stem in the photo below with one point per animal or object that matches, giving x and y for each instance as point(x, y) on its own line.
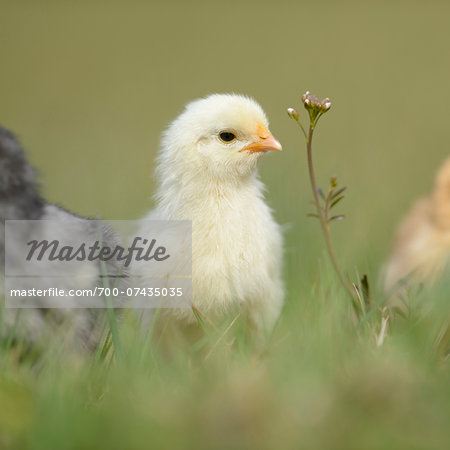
point(326, 231)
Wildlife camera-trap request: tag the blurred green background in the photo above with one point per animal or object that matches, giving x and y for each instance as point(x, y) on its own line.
point(90, 85)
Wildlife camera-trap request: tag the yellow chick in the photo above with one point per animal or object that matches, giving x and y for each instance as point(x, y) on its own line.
point(422, 246)
point(207, 173)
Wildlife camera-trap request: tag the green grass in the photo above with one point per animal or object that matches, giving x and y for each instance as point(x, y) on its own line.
point(321, 383)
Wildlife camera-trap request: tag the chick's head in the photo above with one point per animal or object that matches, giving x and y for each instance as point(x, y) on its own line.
point(222, 135)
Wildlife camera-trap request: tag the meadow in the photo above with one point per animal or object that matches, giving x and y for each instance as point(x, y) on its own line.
point(90, 86)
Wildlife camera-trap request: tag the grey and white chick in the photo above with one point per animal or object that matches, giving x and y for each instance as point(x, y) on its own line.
point(20, 200)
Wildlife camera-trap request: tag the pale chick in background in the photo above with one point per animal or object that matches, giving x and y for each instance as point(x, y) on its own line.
point(207, 173)
point(422, 247)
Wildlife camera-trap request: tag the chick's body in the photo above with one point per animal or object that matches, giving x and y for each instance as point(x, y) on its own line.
point(210, 178)
point(422, 248)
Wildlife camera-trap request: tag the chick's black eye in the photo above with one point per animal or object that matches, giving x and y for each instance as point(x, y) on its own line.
point(227, 136)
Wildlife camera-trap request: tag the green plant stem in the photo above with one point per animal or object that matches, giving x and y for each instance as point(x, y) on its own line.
point(301, 126)
point(323, 222)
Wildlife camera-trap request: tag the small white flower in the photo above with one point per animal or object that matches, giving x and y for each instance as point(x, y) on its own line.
point(293, 113)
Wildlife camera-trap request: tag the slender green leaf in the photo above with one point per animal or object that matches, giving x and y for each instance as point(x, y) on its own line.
point(319, 190)
point(365, 289)
point(335, 202)
point(341, 217)
point(339, 191)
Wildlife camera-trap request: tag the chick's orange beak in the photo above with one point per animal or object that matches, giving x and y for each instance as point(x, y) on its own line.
point(265, 143)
